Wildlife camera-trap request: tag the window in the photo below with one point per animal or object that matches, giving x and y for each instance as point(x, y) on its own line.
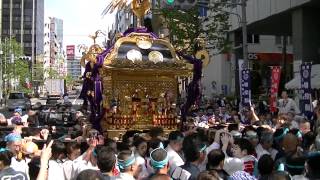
point(278, 40)
point(233, 3)
point(16, 18)
point(16, 96)
point(17, 5)
point(289, 41)
point(256, 39)
point(16, 31)
point(253, 39)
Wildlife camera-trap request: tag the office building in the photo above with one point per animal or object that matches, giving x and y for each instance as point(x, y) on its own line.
point(24, 21)
point(54, 57)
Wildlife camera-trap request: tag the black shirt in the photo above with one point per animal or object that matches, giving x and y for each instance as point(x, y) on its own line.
point(192, 169)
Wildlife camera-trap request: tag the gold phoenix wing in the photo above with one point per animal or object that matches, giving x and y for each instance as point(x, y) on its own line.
point(115, 4)
point(139, 7)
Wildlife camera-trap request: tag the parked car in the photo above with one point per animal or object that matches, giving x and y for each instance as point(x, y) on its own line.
point(18, 99)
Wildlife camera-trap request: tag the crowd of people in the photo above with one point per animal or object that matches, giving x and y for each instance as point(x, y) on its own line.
point(218, 142)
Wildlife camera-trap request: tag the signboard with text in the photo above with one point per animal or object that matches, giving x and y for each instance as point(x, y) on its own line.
point(305, 74)
point(275, 80)
point(245, 83)
point(70, 52)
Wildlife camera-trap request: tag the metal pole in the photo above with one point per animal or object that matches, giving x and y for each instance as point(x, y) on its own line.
point(33, 39)
point(244, 33)
point(1, 78)
point(284, 54)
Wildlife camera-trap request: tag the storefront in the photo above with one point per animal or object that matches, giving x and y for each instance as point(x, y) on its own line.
point(261, 72)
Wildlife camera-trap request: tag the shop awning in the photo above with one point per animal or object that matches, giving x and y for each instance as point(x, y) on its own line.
point(295, 83)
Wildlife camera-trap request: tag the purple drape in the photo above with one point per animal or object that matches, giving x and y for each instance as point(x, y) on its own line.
point(94, 84)
point(194, 87)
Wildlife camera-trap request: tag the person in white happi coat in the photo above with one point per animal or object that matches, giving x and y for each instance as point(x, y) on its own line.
point(174, 147)
point(73, 152)
point(287, 104)
point(14, 145)
point(129, 168)
point(55, 170)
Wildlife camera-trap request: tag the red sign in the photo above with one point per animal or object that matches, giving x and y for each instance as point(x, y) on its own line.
point(270, 58)
point(70, 52)
point(275, 80)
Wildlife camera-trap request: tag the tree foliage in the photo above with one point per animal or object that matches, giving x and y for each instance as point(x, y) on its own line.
point(70, 81)
point(13, 67)
point(38, 73)
point(185, 26)
point(53, 73)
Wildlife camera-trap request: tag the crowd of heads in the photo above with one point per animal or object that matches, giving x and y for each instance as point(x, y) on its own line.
point(218, 142)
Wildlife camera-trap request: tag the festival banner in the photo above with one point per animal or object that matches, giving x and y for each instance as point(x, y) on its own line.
point(275, 80)
point(240, 68)
point(305, 74)
point(245, 83)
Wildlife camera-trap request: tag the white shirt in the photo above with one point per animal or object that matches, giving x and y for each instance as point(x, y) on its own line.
point(174, 158)
point(260, 152)
point(55, 170)
point(141, 162)
point(125, 176)
point(21, 165)
point(80, 164)
point(67, 169)
point(288, 105)
point(232, 164)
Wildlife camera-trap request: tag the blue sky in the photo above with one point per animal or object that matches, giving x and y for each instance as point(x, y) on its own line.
point(80, 18)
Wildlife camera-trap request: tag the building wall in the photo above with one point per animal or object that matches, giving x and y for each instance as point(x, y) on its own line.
point(17, 22)
point(217, 76)
point(124, 19)
point(39, 26)
point(74, 67)
point(261, 9)
point(53, 46)
point(269, 44)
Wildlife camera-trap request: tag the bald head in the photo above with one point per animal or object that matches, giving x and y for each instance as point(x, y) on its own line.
point(290, 143)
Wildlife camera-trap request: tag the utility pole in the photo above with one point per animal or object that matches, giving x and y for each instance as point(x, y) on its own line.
point(1, 78)
point(244, 33)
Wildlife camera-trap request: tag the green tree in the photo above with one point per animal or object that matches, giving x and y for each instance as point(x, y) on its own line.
point(38, 73)
point(53, 73)
point(14, 68)
point(185, 26)
point(70, 81)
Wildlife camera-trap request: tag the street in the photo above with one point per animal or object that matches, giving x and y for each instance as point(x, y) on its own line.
point(75, 102)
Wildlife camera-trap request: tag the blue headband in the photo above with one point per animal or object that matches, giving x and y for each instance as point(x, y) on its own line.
point(281, 167)
point(313, 154)
point(158, 164)
point(122, 164)
point(295, 167)
point(3, 150)
point(13, 137)
point(285, 131)
point(203, 148)
point(299, 134)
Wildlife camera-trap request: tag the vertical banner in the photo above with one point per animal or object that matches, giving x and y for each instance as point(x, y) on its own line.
point(305, 74)
point(275, 80)
point(240, 68)
point(245, 83)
